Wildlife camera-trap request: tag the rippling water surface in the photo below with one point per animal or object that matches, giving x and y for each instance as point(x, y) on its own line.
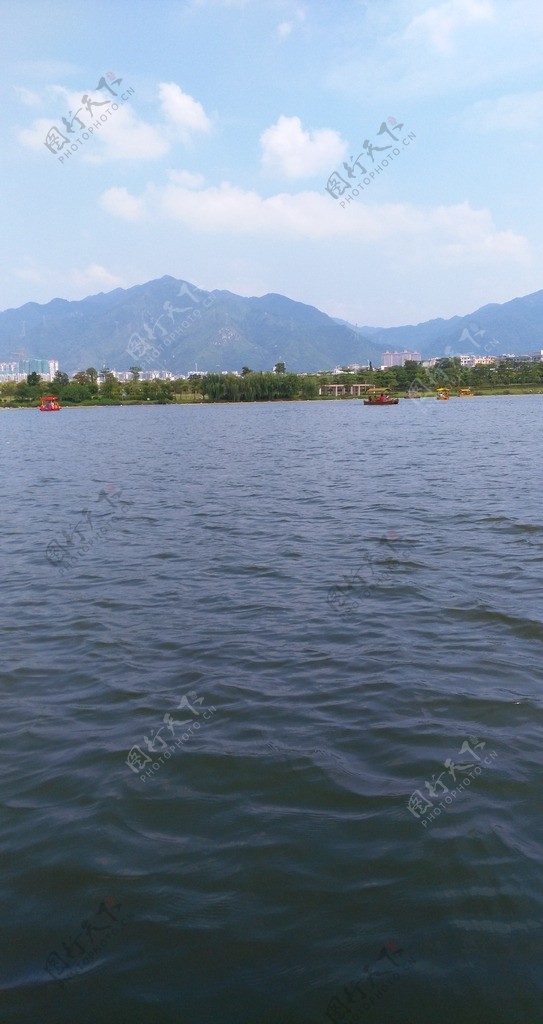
point(272, 714)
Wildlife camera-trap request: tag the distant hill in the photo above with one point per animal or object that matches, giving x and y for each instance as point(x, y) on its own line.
point(173, 325)
point(514, 327)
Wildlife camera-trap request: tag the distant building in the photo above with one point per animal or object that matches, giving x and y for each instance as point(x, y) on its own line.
point(512, 357)
point(483, 360)
point(9, 371)
point(399, 358)
point(19, 369)
point(124, 376)
point(45, 367)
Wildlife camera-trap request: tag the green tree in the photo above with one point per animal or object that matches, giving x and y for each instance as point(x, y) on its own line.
point(133, 389)
point(157, 390)
point(8, 389)
point(60, 381)
point(75, 392)
point(111, 388)
point(195, 387)
point(279, 368)
point(180, 386)
point(410, 370)
point(23, 391)
point(135, 371)
point(245, 370)
point(309, 387)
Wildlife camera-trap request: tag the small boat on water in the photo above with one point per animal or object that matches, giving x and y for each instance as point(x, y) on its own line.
point(466, 393)
point(382, 399)
point(49, 403)
point(442, 394)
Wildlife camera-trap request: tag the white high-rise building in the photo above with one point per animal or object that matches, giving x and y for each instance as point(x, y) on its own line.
point(399, 358)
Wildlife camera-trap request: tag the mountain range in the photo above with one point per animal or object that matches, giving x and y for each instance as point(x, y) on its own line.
point(173, 325)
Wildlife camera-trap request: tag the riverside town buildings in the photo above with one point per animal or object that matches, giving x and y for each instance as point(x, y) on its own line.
point(19, 369)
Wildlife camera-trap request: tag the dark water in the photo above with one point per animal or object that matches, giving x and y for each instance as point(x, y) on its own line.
point(343, 607)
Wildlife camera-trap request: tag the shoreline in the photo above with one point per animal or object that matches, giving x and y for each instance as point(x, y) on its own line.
point(4, 406)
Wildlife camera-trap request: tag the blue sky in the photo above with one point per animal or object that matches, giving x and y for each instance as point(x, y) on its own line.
point(214, 168)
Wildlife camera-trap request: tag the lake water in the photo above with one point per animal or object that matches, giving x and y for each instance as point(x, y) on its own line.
point(272, 714)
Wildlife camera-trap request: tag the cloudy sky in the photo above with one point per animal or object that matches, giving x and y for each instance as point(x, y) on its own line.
point(219, 123)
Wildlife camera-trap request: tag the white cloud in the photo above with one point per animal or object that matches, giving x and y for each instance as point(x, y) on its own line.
point(447, 48)
point(126, 137)
point(285, 28)
point(34, 137)
point(296, 153)
point(463, 233)
point(183, 111)
point(29, 98)
point(228, 209)
point(67, 98)
point(514, 112)
point(122, 137)
point(95, 278)
point(74, 283)
point(186, 178)
point(30, 273)
point(440, 23)
point(120, 203)
point(448, 236)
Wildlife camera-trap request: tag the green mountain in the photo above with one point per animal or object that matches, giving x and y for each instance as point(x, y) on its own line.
point(173, 325)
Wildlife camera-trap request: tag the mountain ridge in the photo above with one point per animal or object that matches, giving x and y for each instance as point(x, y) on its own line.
point(171, 324)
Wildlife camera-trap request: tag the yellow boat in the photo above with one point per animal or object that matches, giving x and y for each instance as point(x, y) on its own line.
point(442, 394)
point(466, 393)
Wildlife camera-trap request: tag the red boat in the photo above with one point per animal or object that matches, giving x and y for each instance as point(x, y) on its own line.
point(382, 400)
point(49, 403)
point(376, 401)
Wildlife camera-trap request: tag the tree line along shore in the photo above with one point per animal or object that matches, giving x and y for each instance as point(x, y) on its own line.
point(508, 376)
